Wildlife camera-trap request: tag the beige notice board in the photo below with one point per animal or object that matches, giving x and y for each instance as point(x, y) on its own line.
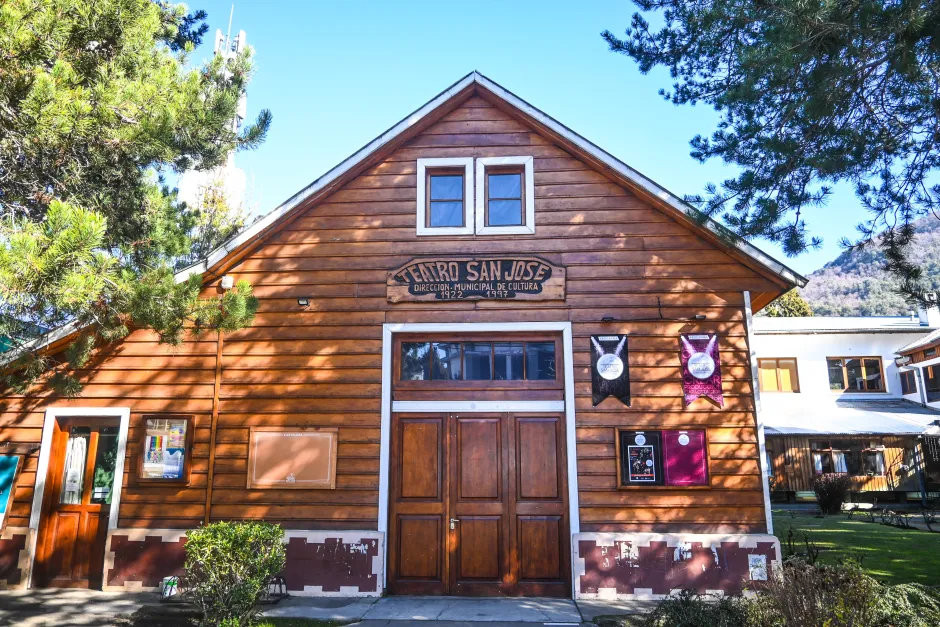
point(286, 457)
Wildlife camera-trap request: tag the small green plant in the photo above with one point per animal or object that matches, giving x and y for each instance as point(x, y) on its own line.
point(831, 491)
point(690, 609)
point(228, 567)
point(791, 548)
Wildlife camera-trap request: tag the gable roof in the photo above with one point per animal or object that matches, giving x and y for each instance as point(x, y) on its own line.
point(219, 259)
point(252, 237)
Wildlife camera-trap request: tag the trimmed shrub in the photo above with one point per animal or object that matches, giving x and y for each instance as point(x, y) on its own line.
point(807, 596)
point(909, 605)
point(689, 609)
point(831, 490)
point(228, 567)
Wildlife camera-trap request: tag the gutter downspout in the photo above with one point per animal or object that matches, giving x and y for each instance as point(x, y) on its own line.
point(761, 441)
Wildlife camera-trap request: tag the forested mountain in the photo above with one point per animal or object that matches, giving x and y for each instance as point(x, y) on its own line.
point(854, 284)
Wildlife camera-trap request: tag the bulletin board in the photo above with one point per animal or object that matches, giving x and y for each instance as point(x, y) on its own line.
point(291, 458)
point(662, 458)
point(165, 449)
point(685, 458)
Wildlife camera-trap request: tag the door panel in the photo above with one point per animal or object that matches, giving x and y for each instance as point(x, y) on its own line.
point(479, 552)
point(478, 446)
point(417, 505)
point(541, 506)
point(540, 548)
point(538, 458)
point(478, 505)
point(420, 548)
point(76, 504)
point(421, 459)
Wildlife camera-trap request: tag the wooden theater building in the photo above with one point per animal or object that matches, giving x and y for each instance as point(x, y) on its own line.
point(489, 359)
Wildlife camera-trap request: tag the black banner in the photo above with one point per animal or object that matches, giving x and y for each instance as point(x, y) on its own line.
point(610, 369)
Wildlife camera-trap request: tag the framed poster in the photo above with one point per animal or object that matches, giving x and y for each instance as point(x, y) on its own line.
point(685, 458)
point(640, 458)
point(292, 458)
point(9, 464)
point(165, 449)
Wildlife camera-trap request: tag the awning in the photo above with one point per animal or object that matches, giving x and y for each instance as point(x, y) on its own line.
point(855, 417)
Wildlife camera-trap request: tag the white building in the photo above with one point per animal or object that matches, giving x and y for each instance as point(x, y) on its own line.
point(831, 400)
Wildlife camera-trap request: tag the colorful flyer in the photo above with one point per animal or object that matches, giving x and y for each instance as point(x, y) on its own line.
point(642, 463)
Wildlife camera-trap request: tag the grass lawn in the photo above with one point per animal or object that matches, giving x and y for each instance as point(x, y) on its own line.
point(889, 554)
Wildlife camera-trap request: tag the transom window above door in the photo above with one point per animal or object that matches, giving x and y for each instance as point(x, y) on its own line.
point(497, 199)
point(478, 361)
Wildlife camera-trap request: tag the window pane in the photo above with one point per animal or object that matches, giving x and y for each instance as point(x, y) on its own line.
point(415, 365)
point(73, 474)
point(822, 463)
point(853, 372)
point(788, 380)
point(164, 448)
point(446, 213)
point(839, 458)
point(105, 461)
point(476, 361)
point(874, 462)
point(445, 361)
point(505, 212)
point(505, 186)
point(507, 361)
point(768, 375)
point(447, 187)
point(836, 381)
point(873, 379)
point(853, 459)
point(540, 361)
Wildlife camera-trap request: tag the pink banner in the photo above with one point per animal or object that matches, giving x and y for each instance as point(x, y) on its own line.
point(701, 368)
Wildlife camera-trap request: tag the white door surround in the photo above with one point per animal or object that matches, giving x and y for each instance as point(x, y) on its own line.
point(123, 414)
point(388, 332)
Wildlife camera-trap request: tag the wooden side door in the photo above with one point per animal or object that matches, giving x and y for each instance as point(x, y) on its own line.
point(480, 511)
point(540, 533)
point(73, 524)
point(418, 505)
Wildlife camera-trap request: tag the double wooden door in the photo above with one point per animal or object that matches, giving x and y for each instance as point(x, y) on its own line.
point(73, 525)
point(478, 505)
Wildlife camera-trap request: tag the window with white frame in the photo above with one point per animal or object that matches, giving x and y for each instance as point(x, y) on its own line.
point(498, 198)
point(445, 196)
point(505, 196)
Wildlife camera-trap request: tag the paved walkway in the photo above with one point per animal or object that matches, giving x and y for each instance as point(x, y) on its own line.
point(61, 608)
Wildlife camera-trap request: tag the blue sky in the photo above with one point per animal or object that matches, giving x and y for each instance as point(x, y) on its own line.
point(337, 74)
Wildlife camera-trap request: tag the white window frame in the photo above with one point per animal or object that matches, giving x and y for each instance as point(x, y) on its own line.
point(446, 162)
point(529, 170)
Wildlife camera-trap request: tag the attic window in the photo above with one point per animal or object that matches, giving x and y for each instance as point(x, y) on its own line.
point(445, 196)
point(505, 200)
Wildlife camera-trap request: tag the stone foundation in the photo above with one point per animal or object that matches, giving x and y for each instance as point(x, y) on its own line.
point(319, 563)
point(14, 558)
point(652, 566)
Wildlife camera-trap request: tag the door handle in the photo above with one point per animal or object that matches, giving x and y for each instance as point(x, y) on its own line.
point(453, 521)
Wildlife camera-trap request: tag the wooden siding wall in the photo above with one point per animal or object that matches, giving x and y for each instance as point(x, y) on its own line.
point(794, 471)
point(321, 366)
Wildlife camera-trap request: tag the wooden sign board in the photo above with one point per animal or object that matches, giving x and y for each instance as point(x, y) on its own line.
point(476, 278)
point(285, 457)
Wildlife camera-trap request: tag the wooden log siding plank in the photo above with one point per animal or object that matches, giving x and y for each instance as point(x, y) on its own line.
point(321, 366)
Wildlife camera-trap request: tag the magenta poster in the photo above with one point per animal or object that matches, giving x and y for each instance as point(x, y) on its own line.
point(701, 368)
point(685, 461)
